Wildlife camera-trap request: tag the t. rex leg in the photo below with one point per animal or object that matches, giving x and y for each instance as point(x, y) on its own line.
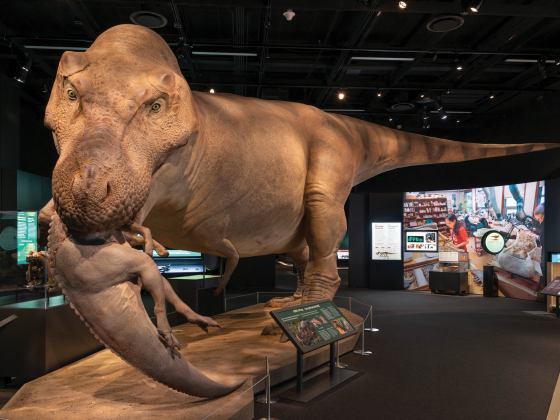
point(300, 257)
point(228, 250)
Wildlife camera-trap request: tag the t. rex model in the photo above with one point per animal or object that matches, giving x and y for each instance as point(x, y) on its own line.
point(220, 174)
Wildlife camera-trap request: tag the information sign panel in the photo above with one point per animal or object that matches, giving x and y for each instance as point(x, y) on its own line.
point(313, 325)
point(386, 241)
point(553, 288)
point(26, 234)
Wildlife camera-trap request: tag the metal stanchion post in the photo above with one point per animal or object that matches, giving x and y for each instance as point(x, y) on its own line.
point(266, 398)
point(338, 364)
point(46, 280)
point(363, 352)
point(370, 314)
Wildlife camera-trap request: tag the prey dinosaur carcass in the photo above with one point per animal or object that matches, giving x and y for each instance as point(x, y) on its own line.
point(214, 173)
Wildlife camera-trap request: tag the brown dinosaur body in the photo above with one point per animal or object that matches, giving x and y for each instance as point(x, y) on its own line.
point(220, 174)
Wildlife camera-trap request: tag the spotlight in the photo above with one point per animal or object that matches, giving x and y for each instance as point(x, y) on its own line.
point(379, 93)
point(289, 14)
point(212, 91)
point(390, 119)
point(440, 110)
point(476, 5)
point(426, 124)
point(458, 121)
point(557, 61)
point(458, 64)
point(24, 70)
point(491, 96)
point(402, 4)
point(341, 96)
point(421, 95)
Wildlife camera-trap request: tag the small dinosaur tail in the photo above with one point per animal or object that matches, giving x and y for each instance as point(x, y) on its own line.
point(386, 149)
point(117, 318)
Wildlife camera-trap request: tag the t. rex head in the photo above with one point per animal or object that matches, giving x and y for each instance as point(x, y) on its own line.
point(116, 112)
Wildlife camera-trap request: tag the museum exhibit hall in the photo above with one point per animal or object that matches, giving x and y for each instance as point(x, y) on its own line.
point(257, 209)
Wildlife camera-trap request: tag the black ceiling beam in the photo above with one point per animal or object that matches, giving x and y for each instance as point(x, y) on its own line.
point(423, 7)
point(32, 54)
point(81, 16)
point(442, 51)
point(319, 84)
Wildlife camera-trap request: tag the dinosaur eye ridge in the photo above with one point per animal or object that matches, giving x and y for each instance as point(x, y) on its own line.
point(71, 94)
point(156, 107)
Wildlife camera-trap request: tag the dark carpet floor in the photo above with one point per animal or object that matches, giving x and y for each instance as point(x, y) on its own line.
point(443, 357)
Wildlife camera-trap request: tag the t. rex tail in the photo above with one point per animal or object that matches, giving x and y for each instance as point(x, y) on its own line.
point(386, 149)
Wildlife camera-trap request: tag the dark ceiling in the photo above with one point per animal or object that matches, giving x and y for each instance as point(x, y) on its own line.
point(373, 52)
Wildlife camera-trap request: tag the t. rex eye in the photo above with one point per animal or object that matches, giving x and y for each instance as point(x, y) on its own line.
point(71, 94)
point(156, 107)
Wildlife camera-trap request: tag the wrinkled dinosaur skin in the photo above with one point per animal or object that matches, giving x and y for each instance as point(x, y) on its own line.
point(219, 174)
point(101, 276)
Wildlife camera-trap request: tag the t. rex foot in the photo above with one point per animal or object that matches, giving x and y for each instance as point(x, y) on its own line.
point(169, 339)
point(280, 302)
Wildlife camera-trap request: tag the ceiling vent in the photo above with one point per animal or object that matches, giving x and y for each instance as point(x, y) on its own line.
point(148, 19)
point(445, 23)
point(404, 106)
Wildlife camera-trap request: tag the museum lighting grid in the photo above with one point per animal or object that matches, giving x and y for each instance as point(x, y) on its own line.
point(421, 211)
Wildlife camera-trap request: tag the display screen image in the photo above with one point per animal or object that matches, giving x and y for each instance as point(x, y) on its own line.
point(313, 325)
point(493, 242)
point(555, 258)
point(26, 235)
point(343, 254)
point(422, 241)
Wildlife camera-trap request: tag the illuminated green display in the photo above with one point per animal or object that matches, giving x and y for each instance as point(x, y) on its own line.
point(26, 235)
point(415, 239)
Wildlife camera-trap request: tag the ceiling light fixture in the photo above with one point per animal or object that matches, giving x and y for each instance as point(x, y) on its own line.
point(289, 14)
point(384, 58)
point(25, 67)
point(476, 5)
point(341, 96)
point(379, 93)
point(390, 119)
point(224, 53)
point(458, 64)
point(492, 96)
point(402, 4)
point(440, 110)
point(540, 65)
point(557, 61)
point(426, 123)
point(212, 91)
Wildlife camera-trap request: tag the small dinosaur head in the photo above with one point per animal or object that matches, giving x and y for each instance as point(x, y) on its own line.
point(116, 112)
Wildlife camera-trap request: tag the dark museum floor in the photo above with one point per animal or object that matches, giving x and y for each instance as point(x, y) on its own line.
point(443, 357)
point(436, 357)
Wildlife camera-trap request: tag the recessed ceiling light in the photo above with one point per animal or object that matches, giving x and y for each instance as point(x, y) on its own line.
point(212, 91)
point(148, 19)
point(402, 4)
point(341, 96)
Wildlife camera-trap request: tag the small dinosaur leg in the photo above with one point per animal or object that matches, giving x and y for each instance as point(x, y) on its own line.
point(135, 240)
point(300, 257)
point(151, 280)
point(202, 321)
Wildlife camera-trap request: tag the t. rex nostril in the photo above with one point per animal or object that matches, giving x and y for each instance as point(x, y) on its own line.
point(108, 192)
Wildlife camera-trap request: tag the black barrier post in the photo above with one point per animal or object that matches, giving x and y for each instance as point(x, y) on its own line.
point(557, 308)
point(332, 367)
point(299, 371)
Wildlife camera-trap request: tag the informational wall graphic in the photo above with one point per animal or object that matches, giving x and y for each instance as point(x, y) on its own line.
point(313, 325)
point(26, 235)
point(499, 226)
point(421, 241)
point(343, 254)
point(386, 241)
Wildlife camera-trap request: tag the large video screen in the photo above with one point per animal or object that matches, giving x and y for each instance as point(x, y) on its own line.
point(421, 241)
